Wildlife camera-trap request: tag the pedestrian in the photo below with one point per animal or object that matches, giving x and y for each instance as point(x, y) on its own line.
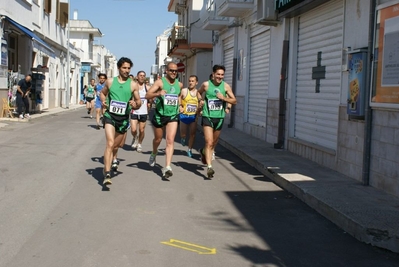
point(139, 117)
point(166, 92)
point(118, 96)
point(90, 94)
point(217, 95)
point(188, 113)
point(99, 109)
point(23, 89)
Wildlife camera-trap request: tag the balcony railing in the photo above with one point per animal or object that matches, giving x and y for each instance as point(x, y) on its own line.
point(212, 21)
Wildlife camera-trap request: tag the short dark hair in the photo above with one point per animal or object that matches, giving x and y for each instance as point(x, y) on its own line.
point(124, 60)
point(218, 67)
point(194, 76)
point(102, 74)
point(141, 71)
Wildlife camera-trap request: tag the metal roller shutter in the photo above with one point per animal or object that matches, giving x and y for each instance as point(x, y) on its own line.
point(316, 114)
point(258, 74)
point(228, 57)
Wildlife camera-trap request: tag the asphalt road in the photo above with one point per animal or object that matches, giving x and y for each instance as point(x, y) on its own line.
point(54, 210)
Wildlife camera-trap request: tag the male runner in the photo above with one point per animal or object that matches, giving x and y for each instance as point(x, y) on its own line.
point(217, 95)
point(189, 98)
point(116, 97)
point(139, 116)
point(166, 91)
point(99, 110)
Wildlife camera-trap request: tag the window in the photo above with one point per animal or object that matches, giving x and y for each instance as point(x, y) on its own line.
point(62, 13)
point(13, 52)
point(47, 6)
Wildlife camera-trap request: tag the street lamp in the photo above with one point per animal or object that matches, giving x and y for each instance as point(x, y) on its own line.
point(68, 58)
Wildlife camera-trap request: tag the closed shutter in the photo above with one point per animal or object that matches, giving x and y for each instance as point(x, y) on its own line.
point(228, 57)
point(316, 114)
point(258, 74)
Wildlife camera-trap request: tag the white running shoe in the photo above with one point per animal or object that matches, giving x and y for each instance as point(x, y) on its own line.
point(135, 142)
point(152, 160)
point(167, 172)
point(27, 116)
point(139, 148)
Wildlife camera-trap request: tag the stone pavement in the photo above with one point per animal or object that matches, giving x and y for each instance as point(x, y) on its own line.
point(369, 214)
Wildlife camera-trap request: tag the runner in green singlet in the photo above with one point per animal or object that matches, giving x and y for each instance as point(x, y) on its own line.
point(118, 96)
point(216, 96)
point(166, 92)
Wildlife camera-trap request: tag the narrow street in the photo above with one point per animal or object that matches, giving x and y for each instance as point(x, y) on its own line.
point(55, 211)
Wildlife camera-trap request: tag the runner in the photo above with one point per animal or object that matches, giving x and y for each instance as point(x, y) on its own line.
point(116, 97)
point(188, 116)
point(99, 110)
point(140, 115)
point(217, 95)
point(166, 91)
point(90, 94)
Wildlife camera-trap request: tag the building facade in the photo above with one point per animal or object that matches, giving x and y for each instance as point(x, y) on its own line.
point(304, 81)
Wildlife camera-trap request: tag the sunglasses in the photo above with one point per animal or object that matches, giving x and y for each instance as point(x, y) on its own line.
point(173, 71)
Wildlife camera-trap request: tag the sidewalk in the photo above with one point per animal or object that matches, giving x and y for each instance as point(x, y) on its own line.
point(46, 112)
point(368, 214)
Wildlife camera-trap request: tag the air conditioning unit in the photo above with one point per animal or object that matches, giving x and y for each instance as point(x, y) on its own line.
point(266, 14)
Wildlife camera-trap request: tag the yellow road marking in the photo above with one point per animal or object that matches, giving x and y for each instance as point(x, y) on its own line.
point(189, 246)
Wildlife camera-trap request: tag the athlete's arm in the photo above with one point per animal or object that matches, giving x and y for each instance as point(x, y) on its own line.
point(104, 92)
point(136, 101)
point(200, 93)
point(183, 94)
point(230, 99)
point(155, 90)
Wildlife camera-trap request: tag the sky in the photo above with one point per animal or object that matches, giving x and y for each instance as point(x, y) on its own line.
point(130, 27)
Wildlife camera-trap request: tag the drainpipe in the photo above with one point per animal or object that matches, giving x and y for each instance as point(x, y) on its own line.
point(281, 109)
point(368, 113)
point(233, 88)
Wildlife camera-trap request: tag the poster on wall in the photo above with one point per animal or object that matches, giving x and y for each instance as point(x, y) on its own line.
point(387, 53)
point(4, 53)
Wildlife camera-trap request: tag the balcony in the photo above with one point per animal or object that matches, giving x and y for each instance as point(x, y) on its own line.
point(215, 23)
point(178, 43)
point(235, 8)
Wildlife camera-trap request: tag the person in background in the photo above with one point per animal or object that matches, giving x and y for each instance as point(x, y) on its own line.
point(23, 88)
point(166, 92)
point(90, 94)
point(139, 117)
point(99, 110)
point(217, 94)
point(189, 99)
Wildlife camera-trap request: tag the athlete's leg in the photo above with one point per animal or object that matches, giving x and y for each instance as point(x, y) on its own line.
point(193, 131)
point(171, 129)
point(110, 135)
point(141, 131)
point(158, 133)
point(208, 135)
point(183, 132)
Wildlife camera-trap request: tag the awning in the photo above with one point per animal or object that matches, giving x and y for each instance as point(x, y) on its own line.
point(33, 36)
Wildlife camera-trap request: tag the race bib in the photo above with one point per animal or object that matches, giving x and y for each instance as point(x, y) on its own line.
point(143, 101)
point(90, 95)
point(215, 104)
point(171, 100)
point(117, 107)
point(190, 108)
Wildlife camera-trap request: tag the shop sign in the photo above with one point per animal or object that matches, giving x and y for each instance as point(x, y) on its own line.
point(282, 5)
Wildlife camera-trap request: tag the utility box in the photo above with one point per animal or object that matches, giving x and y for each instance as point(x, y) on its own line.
point(357, 60)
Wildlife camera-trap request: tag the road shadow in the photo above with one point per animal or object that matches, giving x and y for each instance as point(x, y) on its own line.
point(292, 234)
point(98, 175)
point(196, 169)
point(143, 165)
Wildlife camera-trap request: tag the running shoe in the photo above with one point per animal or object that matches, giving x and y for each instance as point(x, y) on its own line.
point(203, 159)
point(210, 172)
point(189, 154)
point(91, 117)
point(139, 148)
point(152, 160)
point(183, 141)
point(98, 127)
point(135, 142)
point(107, 179)
point(21, 116)
point(88, 111)
point(115, 165)
point(27, 116)
point(167, 172)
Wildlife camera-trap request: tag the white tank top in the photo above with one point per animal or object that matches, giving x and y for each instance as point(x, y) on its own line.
point(143, 109)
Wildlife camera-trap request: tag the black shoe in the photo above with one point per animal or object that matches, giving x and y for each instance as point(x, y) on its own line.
point(115, 165)
point(98, 127)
